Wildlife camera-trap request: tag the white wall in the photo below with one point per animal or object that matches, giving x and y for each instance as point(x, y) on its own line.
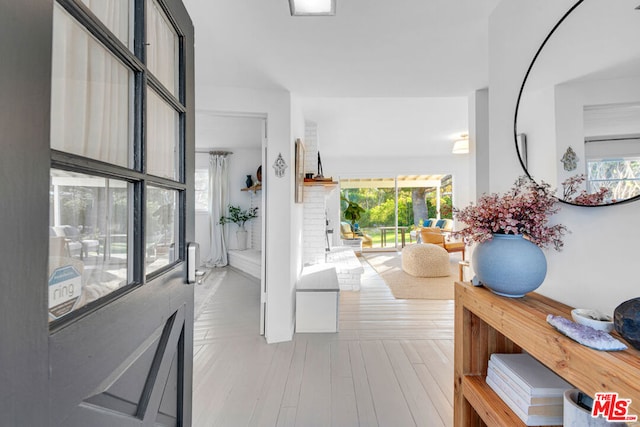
point(537, 120)
point(297, 209)
point(277, 193)
point(478, 143)
point(593, 270)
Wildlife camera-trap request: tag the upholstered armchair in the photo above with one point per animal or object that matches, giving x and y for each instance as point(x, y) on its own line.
point(347, 233)
point(442, 225)
point(436, 237)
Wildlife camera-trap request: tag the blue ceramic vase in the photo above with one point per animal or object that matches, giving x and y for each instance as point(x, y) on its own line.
point(626, 320)
point(509, 265)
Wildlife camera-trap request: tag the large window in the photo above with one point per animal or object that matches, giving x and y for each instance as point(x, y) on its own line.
point(202, 189)
point(393, 207)
point(117, 132)
point(614, 163)
point(620, 176)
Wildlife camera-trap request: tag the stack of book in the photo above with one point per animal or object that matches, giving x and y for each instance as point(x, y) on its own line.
point(532, 391)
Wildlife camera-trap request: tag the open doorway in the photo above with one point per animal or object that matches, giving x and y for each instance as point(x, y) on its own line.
point(392, 208)
point(241, 139)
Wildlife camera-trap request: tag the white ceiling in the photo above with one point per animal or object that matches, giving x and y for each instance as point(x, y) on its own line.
point(371, 48)
point(387, 127)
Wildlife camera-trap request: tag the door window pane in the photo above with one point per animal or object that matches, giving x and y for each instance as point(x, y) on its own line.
point(162, 47)
point(88, 239)
point(162, 138)
point(202, 189)
point(116, 15)
point(162, 231)
point(90, 95)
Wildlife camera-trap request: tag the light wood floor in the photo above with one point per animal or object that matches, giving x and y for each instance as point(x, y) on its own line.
point(391, 364)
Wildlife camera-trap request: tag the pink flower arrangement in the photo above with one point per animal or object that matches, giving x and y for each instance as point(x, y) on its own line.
point(570, 188)
point(525, 209)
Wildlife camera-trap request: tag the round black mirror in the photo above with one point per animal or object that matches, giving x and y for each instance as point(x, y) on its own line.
point(577, 120)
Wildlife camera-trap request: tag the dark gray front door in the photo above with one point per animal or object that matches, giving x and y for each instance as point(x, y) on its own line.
point(96, 121)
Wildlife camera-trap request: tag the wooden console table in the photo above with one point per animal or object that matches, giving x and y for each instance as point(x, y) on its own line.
point(486, 323)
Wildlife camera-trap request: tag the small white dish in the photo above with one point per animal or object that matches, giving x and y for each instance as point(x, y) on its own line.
point(593, 318)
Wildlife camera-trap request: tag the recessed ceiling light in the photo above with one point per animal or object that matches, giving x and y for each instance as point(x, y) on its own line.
point(312, 7)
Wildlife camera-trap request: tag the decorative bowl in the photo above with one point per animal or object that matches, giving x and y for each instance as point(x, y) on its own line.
point(593, 318)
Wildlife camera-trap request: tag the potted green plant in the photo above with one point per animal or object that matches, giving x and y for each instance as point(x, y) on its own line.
point(239, 216)
point(352, 212)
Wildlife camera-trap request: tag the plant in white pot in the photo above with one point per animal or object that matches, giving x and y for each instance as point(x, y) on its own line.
point(239, 216)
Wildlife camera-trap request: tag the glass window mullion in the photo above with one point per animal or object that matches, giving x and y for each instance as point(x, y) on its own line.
point(137, 264)
point(163, 93)
point(139, 30)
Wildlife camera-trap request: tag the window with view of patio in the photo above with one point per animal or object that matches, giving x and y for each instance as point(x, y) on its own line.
point(394, 207)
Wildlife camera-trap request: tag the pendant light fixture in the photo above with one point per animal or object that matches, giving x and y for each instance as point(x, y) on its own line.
point(461, 145)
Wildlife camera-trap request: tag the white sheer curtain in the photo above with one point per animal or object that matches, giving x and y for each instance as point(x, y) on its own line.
point(162, 48)
point(90, 95)
point(115, 14)
point(218, 201)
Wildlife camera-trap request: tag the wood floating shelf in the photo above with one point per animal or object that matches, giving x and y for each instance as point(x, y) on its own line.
point(320, 182)
point(255, 188)
point(486, 323)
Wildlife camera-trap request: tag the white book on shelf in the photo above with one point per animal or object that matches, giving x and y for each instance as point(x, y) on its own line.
point(530, 375)
point(523, 394)
point(530, 420)
point(553, 409)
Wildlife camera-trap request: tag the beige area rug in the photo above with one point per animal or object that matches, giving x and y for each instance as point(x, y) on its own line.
point(405, 286)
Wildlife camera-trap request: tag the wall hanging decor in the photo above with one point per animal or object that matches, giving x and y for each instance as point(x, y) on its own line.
point(299, 193)
point(280, 165)
point(319, 175)
point(570, 159)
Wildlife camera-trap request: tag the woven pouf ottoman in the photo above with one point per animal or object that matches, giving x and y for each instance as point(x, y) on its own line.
point(426, 260)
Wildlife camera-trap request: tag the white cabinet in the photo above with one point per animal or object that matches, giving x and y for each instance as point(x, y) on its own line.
point(317, 296)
